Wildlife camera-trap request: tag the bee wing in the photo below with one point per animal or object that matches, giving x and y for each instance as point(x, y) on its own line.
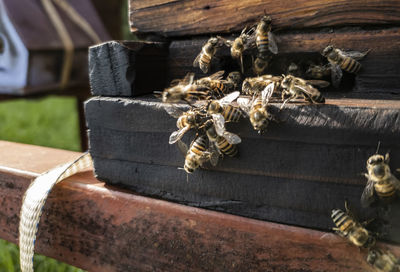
point(173, 111)
point(272, 46)
point(229, 98)
point(231, 138)
point(244, 103)
point(213, 155)
point(319, 83)
point(177, 135)
point(267, 93)
point(217, 76)
point(183, 148)
point(395, 182)
point(308, 89)
point(188, 79)
point(175, 82)
point(336, 75)
point(355, 54)
point(219, 123)
point(367, 196)
point(196, 60)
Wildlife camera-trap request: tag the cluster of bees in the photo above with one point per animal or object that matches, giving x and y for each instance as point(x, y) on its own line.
point(215, 101)
point(382, 187)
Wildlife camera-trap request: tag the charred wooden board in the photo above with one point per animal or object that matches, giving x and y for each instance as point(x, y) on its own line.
point(127, 68)
point(178, 18)
point(99, 227)
point(296, 173)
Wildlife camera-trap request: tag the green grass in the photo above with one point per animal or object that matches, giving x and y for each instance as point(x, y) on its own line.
point(52, 122)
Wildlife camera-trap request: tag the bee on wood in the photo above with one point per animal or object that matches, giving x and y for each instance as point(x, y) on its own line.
point(240, 44)
point(197, 154)
point(203, 59)
point(340, 60)
point(224, 141)
point(224, 108)
point(383, 261)
point(254, 85)
point(216, 84)
point(185, 90)
point(319, 71)
point(348, 227)
point(266, 44)
point(234, 80)
point(185, 121)
point(381, 181)
point(257, 108)
point(293, 87)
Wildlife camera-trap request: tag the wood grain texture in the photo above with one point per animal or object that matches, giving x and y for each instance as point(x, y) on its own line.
point(101, 228)
point(316, 154)
point(179, 18)
point(127, 68)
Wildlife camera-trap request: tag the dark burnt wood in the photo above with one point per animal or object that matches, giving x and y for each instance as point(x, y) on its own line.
point(101, 228)
point(179, 18)
point(295, 173)
point(127, 68)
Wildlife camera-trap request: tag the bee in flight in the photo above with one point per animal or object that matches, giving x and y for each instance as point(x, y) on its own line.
point(197, 154)
point(348, 227)
point(381, 181)
point(203, 59)
point(224, 108)
point(293, 87)
point(185, 90)
point(257, 108)
point(341, 60)
point(225, 142)
point(266, 44)
point(240, 44)
point(383, 261)
point(185, 121)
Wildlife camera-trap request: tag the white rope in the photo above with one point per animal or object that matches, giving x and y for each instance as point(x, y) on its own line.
point(32, 205)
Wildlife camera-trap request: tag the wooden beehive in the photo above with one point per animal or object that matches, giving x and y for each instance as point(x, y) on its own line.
point(303, 166)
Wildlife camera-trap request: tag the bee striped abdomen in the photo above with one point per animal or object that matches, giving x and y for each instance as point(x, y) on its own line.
point(218, 88)
point(199, 146)
point(350, 65)
point(385, 191)
point(262, 44)
point(231, 114)
point(344, 222)
point(225, 147)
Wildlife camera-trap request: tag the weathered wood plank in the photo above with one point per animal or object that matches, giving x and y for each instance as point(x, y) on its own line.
point(127, 68)
point(101, 228)
point(380, 74)
point(314, 152)
point(178, 18)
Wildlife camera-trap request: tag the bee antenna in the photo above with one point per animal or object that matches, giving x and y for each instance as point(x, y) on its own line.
point(377, 148)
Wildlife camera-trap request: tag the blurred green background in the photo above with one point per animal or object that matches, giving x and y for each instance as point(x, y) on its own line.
point(50, 121)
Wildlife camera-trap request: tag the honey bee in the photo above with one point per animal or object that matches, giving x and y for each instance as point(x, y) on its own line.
point(340, 60)
point(380, 181)
point(197, 154)
point(257, 108)
point(254, 85)
point(240, 44)
point(222, 107)
point(265, 39)
point(383, 261)
point(234, 80)
point(203, 59)
point(348, 227)
point(224, 141)
point(261, 63)
point(319, 71)
point(293, 87)
point(185, 121)
point(215, 83)
point(185, 90)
